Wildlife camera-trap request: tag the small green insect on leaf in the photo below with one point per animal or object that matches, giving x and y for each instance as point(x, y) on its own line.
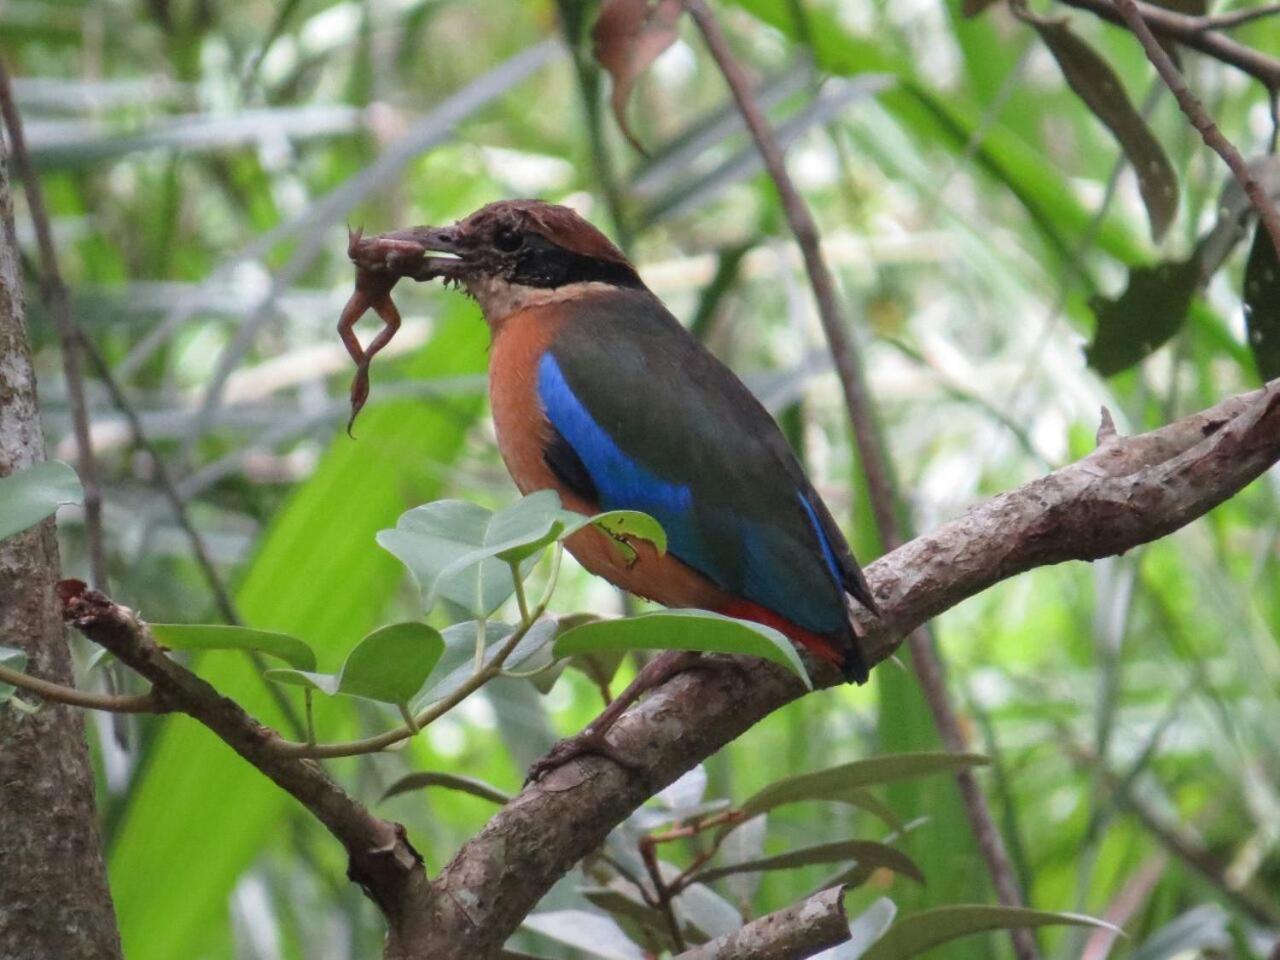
point(30, 495)
point(209, 636)
point(1262, 304)
point(698, 630)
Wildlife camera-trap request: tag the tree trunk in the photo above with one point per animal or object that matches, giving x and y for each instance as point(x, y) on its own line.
point(54, 899)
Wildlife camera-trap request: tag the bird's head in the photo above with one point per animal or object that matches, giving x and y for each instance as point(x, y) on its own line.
point(515, 254)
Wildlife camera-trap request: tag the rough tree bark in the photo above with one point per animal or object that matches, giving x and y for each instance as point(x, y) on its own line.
point(54, 899)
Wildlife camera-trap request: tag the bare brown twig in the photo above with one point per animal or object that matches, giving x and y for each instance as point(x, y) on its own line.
point(798, 931)
point(53, 291)
point(1200, 118)
point(873, 456)
point(1192, 31)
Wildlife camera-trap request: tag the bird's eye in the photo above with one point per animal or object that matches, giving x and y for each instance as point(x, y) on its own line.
point(508, 240)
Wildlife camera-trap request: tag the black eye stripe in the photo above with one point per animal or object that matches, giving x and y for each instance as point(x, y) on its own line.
point(508, 240)
point(543, 264)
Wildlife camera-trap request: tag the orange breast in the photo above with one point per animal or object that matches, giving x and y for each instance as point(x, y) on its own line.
point(523, 433)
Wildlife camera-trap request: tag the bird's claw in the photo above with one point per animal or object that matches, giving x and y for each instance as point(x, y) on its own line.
point(586, 744)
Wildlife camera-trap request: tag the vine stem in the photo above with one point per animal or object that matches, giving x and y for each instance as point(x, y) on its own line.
point(59, 693)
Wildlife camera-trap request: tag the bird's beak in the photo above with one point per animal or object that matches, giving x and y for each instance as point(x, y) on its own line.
point(423, 253)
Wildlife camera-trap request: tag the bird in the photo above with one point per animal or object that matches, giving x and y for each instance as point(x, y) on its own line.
point(600, 394)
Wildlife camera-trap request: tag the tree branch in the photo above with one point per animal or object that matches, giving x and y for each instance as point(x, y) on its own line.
point(1201, 120)
point(381, 858)
point(53, 291)
point(1195, 33)
point(793, 933)
point(875, 461)
point(1130, 491)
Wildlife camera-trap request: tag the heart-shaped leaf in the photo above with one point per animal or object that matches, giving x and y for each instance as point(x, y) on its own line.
point(215, 636)
point(683, 630)
point(461, 551)
point(30, 495)
point(391, 664)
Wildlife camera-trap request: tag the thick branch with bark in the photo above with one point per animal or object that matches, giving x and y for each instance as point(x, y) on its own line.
point(381, 858)
point(1129, 492)
point(54, 900)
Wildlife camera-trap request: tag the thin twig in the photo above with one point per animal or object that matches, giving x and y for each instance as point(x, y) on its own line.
point(381, 858)
point(59, 693)
point(874, 458)
point(800, 930)
point(1200, 118)
point(1188, 31)
point(53, 291)
point(1237, 18)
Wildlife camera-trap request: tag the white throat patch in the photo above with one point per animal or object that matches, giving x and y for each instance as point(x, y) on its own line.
point(499, 299)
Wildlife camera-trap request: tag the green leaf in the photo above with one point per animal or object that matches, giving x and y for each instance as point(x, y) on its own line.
point(683, 630)
point(461, 551)
point(913, 935)
point(1094, 82)
point(1151, 309)
point(14, 659)
point(458, 662)
point(209, 636)
point(866, 852)
point(836, 782)
point(326, 683)
point(624, 524)
point(1262, 304)
point(450, 781)
point(30, 495)
point(316, 576)
point(391, 664)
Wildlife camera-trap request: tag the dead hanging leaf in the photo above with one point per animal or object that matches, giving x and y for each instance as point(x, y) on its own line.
point(1151, 309)
point(1262, 304)
point(1094, 82)
point(628, 36)
point(972, 8)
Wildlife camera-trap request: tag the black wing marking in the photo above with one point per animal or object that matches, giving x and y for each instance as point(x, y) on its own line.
point(569, 468)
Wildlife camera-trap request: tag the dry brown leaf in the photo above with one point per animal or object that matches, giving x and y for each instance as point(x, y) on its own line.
point(628, 36)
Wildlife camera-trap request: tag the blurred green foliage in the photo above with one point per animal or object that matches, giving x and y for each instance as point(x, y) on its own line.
point(202, 161)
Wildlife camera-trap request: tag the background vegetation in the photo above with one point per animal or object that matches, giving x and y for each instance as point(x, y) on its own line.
point(201, 160)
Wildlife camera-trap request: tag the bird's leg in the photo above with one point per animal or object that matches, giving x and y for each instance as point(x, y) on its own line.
point(593, 740)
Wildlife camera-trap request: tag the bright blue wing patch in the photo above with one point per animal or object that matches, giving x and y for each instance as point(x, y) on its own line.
point(623, 484)
point(766, 567)
point(827, 553)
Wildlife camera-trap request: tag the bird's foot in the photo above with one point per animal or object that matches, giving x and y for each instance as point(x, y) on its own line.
point(590, 742)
